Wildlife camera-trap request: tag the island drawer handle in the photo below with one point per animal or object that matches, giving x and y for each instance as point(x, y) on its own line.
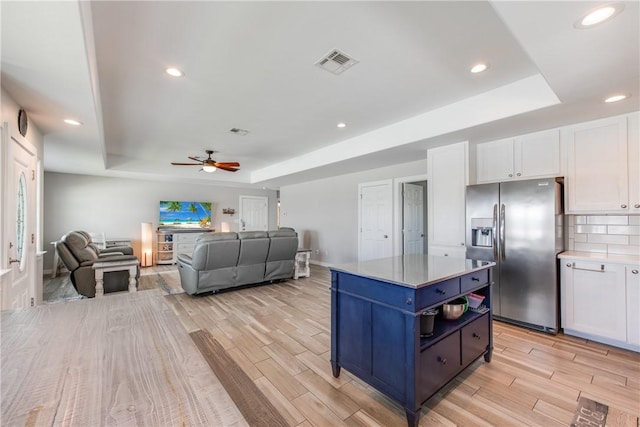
point(475, 279)
point(476, 336)
point(442, 360)
point(440, 291)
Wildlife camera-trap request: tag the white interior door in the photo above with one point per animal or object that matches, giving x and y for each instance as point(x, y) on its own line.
point(413, 218)
point(254, 213)
point(20, 223)
point(375, 220)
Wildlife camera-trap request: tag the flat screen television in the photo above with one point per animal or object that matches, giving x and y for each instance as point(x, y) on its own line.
point(184, 214)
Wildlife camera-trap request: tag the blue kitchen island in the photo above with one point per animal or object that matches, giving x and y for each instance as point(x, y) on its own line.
point(376, 307)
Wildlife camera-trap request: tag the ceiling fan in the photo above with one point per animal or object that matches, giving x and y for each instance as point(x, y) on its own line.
point(210, 165)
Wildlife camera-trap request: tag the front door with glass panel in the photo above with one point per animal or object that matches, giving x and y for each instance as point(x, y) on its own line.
point(20, 224)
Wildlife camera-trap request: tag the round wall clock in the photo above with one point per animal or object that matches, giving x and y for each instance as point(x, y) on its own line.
point(22, 122)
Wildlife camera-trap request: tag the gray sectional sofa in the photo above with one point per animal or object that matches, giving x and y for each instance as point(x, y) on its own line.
point(227, 260)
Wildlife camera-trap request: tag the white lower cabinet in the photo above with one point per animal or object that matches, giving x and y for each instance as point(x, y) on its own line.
point(600, 302)
point(633, 305)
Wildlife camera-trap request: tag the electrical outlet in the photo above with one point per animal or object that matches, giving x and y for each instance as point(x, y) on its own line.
point(317, 251)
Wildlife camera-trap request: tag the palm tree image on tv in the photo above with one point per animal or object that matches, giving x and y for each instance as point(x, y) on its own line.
point(185, 214)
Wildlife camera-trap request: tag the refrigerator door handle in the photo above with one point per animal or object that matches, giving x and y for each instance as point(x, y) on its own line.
point(502, 225)
point(495, 232)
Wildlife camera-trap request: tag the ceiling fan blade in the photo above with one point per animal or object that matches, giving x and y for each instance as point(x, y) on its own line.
point(186, 164)
point(195, 159)
point(227, 168)
point(228, 164)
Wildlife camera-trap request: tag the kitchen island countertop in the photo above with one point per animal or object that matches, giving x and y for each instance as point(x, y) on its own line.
point(414, 271)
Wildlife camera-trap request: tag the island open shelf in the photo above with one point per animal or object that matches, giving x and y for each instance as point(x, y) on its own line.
point(375, 324)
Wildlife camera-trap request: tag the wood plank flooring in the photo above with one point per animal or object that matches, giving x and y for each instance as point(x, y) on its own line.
point(119, 360)
point(279, 335)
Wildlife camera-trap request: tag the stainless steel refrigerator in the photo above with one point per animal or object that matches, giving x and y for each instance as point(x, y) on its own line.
point(519, 225)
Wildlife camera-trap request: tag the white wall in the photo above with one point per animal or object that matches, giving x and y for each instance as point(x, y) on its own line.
point(118, 206)
point(325, 212)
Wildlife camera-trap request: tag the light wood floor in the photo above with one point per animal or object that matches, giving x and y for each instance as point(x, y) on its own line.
point(280, 335)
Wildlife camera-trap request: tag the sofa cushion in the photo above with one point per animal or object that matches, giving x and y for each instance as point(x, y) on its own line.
point(78, 244)
point(226, 235)
point(253, 235)
point(283, 232)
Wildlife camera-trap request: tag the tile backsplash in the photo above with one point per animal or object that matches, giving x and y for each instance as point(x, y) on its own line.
point(607, 234)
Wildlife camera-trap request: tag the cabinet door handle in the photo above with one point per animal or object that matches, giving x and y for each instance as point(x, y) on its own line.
point(634, 271)
point(442, 360)
point(587, 269)
point(510, 175)
point(637, 205)
point(518, 174)
point(623, 206)
point(476, 336)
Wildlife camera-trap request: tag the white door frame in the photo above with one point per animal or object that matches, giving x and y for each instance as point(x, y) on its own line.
point(264, 199)
point(391, 231)
point(397, 209)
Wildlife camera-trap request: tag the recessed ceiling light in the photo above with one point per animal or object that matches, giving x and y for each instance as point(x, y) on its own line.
point(72, 122)
point(599, 15)
point(174, 72)
point(478, 68)
point(342, 125)
point(616, 98)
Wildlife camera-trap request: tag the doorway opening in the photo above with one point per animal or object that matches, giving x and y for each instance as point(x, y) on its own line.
point(414, 217)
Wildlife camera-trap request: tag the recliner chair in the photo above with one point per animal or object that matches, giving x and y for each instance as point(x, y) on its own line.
point(78, 254)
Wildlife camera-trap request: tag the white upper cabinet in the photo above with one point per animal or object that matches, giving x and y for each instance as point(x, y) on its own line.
point(529, 156)
point(597, 179)
point(446, 189)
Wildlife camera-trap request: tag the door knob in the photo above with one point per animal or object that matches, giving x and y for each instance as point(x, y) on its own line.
point(385, 236)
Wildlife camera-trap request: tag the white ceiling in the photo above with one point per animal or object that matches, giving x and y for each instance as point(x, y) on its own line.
point(250, 65)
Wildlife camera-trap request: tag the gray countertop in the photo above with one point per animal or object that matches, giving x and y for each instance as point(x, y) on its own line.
point(413, 271)
point(597, 257)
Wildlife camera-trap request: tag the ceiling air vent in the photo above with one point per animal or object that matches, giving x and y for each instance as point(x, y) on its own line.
point(336, 62)
point(239, 131)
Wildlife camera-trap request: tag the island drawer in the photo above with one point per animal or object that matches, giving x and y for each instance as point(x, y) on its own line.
point(472, 281)
point(474, 339)
point(381, 292)
point(436, 293)
point(438, 364)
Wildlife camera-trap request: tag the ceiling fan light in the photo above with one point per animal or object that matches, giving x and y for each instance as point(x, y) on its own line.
point(209, 168)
